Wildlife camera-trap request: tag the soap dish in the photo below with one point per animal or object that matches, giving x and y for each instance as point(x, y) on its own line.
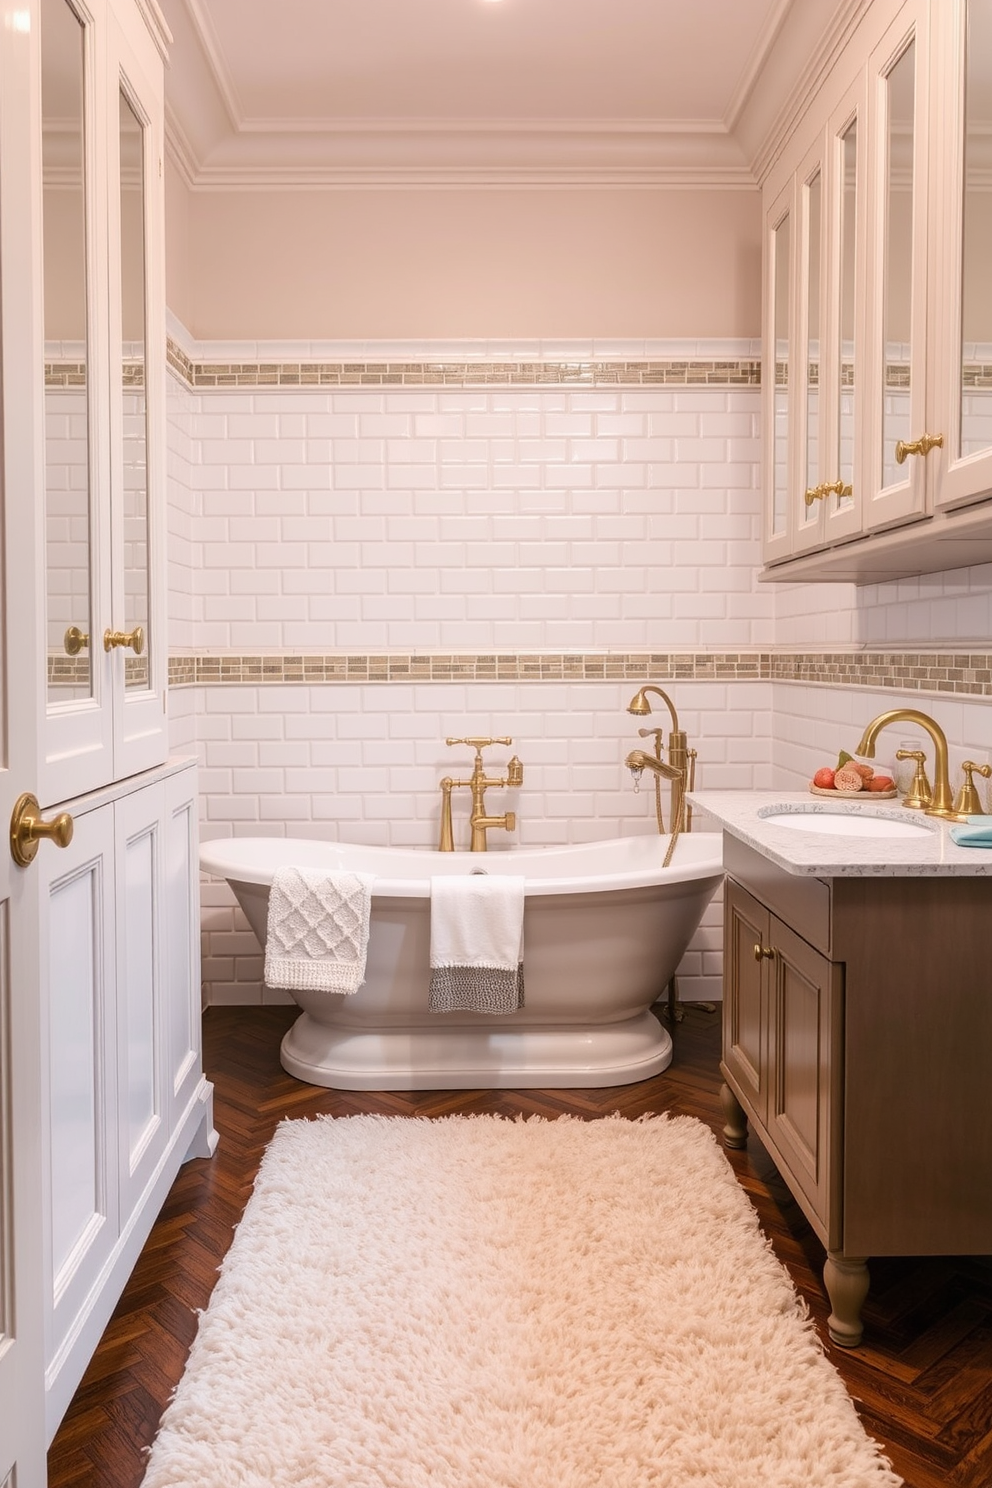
point(859, 796)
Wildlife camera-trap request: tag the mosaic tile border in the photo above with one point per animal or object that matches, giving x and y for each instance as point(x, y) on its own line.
point(73, 374)
point(454, 374)
point(961, 673)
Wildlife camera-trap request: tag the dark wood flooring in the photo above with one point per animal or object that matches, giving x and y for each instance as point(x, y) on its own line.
point(922, 1379)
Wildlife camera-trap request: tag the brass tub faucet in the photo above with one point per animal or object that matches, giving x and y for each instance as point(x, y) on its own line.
point(478, 784)
point(941, 803)
point(681, 768)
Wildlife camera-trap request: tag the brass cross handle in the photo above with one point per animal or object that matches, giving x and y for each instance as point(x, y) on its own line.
point(75, 641)
point(134, 638)
point(921, 446)
point(478, 743)
point(27, 829)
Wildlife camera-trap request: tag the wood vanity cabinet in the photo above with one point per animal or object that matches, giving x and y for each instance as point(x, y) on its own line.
point(857, 1041)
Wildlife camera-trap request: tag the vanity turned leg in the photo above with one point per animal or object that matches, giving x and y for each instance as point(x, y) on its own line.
point(846, 1281)
point(735, 1131)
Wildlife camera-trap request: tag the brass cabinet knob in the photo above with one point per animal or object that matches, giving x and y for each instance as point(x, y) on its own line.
point(134, 638)
point(921, 446)
point(27, 829)
point(836, 488)
point(763, 953)
point(75, 641)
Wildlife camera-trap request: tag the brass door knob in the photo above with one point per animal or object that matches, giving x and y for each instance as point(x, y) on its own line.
point(75, 641)
point(815, 493)
point(27, 829)
point(763, 953)
point(134, 638)
point(921, 446)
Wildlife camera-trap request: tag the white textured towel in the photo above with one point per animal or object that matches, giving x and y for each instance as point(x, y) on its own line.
point(318, 930)
point(477, 929)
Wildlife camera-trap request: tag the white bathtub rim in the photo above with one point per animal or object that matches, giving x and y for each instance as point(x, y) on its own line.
point(639, 859)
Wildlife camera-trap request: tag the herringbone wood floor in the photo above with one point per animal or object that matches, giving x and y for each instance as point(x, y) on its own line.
point(922, 1379)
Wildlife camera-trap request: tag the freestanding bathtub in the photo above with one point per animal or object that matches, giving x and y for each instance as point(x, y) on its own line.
point(605, 926)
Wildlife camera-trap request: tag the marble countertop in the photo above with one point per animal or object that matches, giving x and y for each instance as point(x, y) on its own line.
point(826, 855)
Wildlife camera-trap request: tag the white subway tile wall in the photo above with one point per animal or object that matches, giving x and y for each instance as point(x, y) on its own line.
point(508, 520)
point(363, 763)
point(476, 520)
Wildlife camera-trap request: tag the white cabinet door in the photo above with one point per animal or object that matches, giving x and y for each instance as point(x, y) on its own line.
point(81, 1118)
point(22, 651)
point(961, 256)
point(101, 237)
point(895, 466)
point(137, 403)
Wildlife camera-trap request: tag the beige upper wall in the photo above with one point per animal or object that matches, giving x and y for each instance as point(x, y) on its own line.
point(483, 264)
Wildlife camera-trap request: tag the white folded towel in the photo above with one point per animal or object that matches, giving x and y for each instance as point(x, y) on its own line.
point(477, 929)
point(318, 930)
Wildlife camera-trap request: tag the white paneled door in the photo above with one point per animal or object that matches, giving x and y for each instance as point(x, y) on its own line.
point(22, 1430)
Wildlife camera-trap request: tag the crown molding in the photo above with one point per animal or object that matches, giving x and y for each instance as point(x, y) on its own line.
point(756, 62)
point(447, 155)
point(822, 56)
point(157, 25)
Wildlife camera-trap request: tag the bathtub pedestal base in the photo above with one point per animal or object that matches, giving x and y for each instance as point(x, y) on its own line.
point(476, 1056)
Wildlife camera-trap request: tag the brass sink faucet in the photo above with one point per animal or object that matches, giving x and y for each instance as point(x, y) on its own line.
point(478, 785)
point(941, 804)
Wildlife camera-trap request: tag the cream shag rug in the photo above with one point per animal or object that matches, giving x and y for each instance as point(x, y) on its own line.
point(484, 1303)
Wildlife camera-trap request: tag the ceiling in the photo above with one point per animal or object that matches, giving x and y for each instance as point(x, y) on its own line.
point(498, 92)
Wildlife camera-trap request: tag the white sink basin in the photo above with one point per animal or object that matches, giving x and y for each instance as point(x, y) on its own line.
point(845, 824)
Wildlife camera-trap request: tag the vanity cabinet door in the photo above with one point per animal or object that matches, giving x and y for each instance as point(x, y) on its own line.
point(745, 998)
point(805, 1059)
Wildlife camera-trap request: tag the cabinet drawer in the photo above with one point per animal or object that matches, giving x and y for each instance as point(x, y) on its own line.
point(802, 902)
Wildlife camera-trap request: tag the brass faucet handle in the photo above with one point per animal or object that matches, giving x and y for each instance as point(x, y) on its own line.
point(479, 743)
point(967, 802)
point(515, 772)
point(920, 793)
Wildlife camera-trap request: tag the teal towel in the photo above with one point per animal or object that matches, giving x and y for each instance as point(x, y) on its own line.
point(977, 833)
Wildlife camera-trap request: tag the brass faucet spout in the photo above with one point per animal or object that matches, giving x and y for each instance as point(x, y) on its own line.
point(941, 805)
point(637, 759)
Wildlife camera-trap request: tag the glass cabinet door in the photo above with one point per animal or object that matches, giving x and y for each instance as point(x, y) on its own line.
point(76, 728)
point(137, 654)
point(811, 267)
point(963, 260)
point(895, 469)
point(778, 408)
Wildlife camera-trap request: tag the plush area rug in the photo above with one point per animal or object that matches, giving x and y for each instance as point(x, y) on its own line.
point(484, 1303)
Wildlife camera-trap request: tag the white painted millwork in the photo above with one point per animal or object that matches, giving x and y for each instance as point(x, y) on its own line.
point(102, 729)
point(101, 1088)
point(913, 356)
point(22, 1433)
point(126, 1098)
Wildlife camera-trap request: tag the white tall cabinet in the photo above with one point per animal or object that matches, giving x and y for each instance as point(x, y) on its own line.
point(102, 1094)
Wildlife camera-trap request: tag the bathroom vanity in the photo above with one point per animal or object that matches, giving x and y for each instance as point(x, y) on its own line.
point(857, 1026)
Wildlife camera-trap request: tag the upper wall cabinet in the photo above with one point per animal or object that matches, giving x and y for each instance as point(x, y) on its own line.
point(101, 214)
point(883, 432)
